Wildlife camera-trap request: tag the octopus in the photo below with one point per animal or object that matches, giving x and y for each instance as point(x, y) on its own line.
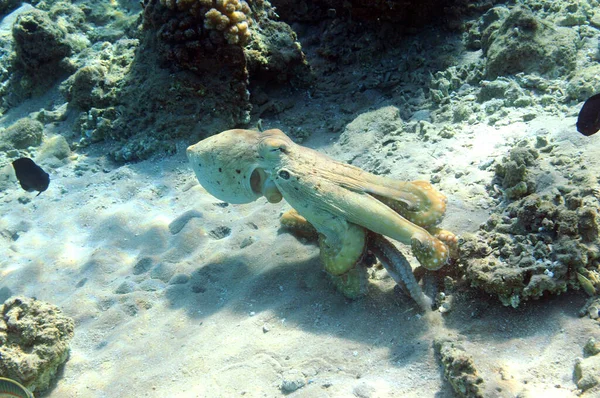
point(351, 212)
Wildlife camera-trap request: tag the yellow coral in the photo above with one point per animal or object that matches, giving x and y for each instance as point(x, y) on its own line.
point(227, 16)
point(230, 17)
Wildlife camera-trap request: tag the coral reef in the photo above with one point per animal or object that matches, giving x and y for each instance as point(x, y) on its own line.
point(34, 341)
point(196, 62)
point(459, 369)
point(512, 174)
point(229, 17)
point(539, 243)
point(522, 60)
point(405, 15)
point(87, 87)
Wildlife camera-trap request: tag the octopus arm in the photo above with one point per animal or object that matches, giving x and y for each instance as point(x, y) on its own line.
point(417, 201)
point(318, 199)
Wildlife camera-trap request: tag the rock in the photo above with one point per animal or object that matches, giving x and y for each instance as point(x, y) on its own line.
point(126, 287)
point(162, 271)
point(40, 43)
point(22, 134)
point(34, 341)
point(459, 369)
point(220, 232)
point(587, 372)
point(365, 132)
point(524, 43)
point(152, 285)
point(143, 265)
point(179, 279)
point(292, 381)
point(54, 147)
point(87, 87)
point(177, 224)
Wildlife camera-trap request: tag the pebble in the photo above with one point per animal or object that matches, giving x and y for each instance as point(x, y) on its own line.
point(220, 232)
point(292, 381)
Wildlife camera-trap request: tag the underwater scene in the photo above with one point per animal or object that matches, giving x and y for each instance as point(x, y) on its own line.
point(299, 198)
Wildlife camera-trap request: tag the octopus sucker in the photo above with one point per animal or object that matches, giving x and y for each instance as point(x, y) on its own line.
point(343, 203)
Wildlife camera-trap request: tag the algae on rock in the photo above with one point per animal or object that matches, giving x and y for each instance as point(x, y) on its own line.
point(525, 43)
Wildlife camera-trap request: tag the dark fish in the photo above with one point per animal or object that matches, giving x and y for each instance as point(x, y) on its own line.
point(588, 122)
point(30, 175)
point(11, 388)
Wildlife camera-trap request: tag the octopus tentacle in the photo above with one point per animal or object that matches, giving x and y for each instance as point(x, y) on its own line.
point(298, 225)
point(431, 252)
point(342, 256)
point(449, 239)
point(399, 268)
point(430, 204)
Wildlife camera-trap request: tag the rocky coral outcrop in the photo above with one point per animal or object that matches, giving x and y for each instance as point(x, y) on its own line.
point(536, 241)
point(525, 43)
point(587, 369)
point(512, 173)
point(40, 43)
point(34, 341)
point(196, 62)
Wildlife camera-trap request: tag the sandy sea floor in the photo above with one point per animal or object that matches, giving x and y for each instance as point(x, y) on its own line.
point(175, 293)
point(251, 312)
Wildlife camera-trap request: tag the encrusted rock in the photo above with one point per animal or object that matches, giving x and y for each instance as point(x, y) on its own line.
point(34, 341)
point(525, 43)
point(39, 41)
point(541, 238)
point(21, 134)
point(459, 369)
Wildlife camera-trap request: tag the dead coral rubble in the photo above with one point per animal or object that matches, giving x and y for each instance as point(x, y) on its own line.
point(459, 369)
point(541, 243)
point(34, 341)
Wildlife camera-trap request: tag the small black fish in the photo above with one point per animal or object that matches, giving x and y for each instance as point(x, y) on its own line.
point(588, 122)
point(30, 175)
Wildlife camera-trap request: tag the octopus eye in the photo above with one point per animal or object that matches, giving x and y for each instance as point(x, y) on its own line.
point(284, 174)
point(282, 148)
point(271, 148)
